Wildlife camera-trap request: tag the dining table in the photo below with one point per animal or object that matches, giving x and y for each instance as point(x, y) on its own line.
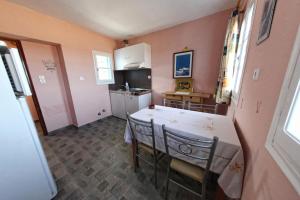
point(228, 160)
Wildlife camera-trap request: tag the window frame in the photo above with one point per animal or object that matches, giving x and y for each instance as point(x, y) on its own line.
point(235, 95)
point(277, 154)
point(96, 68)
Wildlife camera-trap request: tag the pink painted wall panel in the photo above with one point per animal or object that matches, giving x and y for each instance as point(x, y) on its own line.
point(89, 97)
point(205, 36)
point(76, 43)
point(264, 180)
point(52, 94)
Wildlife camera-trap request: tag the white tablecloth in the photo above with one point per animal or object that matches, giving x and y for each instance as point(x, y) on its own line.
point(228, 160)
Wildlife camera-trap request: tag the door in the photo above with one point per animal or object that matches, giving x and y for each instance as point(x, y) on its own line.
point(144, 101)
point(119, 56)
point(135, 54)
point(48, 81)
point(118, 105)
point(131, 103)
point(130, 56)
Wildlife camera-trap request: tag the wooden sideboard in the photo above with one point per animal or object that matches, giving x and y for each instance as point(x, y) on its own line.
point(190, 97)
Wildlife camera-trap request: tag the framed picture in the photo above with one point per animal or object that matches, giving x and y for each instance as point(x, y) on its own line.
point(266, 20)
point(183, 64)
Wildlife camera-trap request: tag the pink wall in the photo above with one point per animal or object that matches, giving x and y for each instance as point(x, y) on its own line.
point(264, 180)
point(205, 36)
point(51, 95)
point(76, 44)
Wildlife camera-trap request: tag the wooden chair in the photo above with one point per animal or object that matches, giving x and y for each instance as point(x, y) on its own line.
point(188, 147)
point(203, 107)
point(143, 129)
point(174, 103)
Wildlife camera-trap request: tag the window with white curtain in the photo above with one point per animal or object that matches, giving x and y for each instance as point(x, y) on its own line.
point(103, 68)
point(240, 59)
point(283, 141)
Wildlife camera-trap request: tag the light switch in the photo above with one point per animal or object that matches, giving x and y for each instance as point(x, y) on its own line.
point(256, 73)
point(81, 78)
point(42, 79)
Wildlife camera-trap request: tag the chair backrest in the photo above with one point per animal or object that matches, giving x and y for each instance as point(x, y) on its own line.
point(200, 149)
point(203, 107)
point(141, 130)
point(174, 103)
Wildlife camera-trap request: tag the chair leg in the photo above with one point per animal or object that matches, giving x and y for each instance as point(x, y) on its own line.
point(203, 194)
point(137, 158)
point(155, 173)
point(136, 165)
point(167, 184)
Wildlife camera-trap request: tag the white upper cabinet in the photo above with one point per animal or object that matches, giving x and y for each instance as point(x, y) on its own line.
point(135, 56)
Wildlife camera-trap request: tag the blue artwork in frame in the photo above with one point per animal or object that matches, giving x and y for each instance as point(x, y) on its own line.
point(183, 64)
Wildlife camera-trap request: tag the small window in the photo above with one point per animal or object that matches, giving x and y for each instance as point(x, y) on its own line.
point(240, 59)
point(292, 126)
point(283, 141)
point(103, 68)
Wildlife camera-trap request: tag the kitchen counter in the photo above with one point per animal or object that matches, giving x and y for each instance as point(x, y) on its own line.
point(123, 102)
point(133, 92)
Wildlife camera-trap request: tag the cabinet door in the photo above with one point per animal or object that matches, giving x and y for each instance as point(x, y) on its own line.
point(147, 56)
point(119, 60)
point(118, 105)
point(131, 103)
point(135, 54)
point(144, 101)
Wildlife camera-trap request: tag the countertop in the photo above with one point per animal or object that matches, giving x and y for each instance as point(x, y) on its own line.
point(130, 92)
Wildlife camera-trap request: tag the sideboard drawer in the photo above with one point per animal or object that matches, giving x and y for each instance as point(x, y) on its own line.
point(192, 99)
point(196, 99)
point(173, 97)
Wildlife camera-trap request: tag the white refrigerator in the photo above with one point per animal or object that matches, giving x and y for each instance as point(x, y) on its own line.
point(24, 171)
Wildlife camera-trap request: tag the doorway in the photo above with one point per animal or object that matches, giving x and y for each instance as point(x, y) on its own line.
point(49, 104)
point(31, 100)
point(46, 72)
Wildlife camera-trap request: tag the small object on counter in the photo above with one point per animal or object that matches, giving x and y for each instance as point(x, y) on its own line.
point(127, 86)
point(151, 106)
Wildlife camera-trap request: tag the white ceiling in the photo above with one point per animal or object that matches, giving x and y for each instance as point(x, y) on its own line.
point(121, 19)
